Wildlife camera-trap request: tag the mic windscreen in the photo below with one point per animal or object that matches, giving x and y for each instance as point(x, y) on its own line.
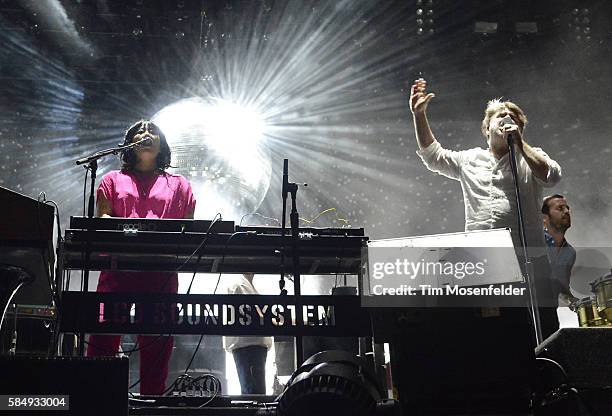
point(507, 121)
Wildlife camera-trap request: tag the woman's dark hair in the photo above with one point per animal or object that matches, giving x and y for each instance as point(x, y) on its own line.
point(129, 159)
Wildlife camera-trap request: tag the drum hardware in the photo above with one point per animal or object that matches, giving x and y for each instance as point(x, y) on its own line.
point(586, 308)
point(596, 310)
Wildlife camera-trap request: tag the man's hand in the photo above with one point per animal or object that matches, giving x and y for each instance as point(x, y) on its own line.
point(419, 99)
point(568, 300)
point(418, 104)
point(537, 163)
point(513, 129)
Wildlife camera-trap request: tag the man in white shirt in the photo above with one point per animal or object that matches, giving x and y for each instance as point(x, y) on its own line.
point(249, 352)
point(486, 180)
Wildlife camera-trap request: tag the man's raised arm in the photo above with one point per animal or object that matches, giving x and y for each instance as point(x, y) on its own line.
point(419, 100)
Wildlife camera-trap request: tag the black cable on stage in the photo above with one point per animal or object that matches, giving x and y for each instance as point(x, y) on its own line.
point(216, 384)
point(223, 257)
point(556, 364)
point(567, 387)
point(156, 361)
point(214, 292)
point(49, 271)
point(138, 348)
point(58, 306)
point(44, 255)
point(185, 382)
point(216, 219)
point(200, 246)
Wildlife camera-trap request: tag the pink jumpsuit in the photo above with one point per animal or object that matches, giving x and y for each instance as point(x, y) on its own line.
point(135, 195)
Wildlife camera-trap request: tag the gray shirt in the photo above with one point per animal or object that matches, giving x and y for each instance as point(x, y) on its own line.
point(562, 261)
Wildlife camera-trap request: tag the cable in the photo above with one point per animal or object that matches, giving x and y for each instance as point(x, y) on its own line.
point(13, 293)
point(153, 365)
point(185, 375)
point(257, 214)
point(216, 219)
point(214, 292)
point(218, 280)
point(45, 256)
point(345, 222)
point(138, 348)
point(556, 364)
point(217, 385)
point(223, 257)
point(566, 387)
point(57, 216)
point(316, 217)
point(200, 255)
point(185, 382)
point(49, 271)
point(194, 354)
point(58, 290)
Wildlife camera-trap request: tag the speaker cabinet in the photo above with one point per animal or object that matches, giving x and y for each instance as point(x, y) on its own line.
point(586, 358)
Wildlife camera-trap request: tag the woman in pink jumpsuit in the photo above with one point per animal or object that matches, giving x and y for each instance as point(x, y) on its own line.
point(143, 189)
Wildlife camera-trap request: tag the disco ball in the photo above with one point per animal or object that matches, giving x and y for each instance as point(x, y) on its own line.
point(218, 145)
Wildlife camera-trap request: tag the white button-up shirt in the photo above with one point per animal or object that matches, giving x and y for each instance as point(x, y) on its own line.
point(488, 188)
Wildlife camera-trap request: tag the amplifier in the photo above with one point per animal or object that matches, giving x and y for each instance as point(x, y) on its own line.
point(461, 361)
point(584, 355)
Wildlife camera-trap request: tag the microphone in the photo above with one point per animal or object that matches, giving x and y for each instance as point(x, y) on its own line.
point(508, 121)
point(147, 141)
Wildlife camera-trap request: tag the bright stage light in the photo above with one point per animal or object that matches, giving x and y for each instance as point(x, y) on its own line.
point(232, 124)
point(218, 145)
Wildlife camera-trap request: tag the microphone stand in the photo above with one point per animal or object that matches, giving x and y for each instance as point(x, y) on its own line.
point(290, 187)
point(91, 163)
point(529, 271)
point(285, 191)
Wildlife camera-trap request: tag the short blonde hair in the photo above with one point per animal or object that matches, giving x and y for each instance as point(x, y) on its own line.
point(496, 105)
